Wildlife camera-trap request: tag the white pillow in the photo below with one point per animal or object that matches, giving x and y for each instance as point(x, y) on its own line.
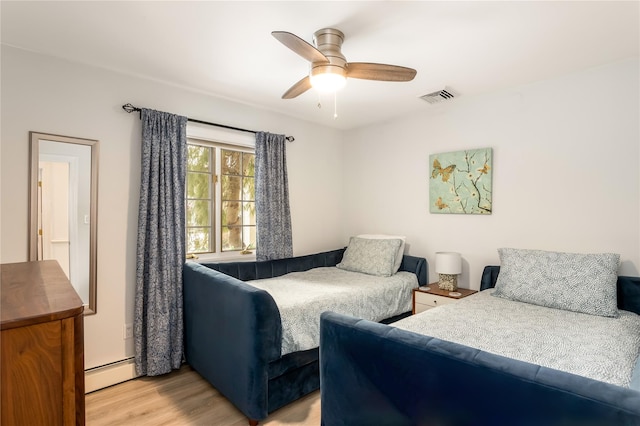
point(370, 256)
point(400, 253)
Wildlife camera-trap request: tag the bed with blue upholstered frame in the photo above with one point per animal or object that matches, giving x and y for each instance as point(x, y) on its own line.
point(376, 374)
point(233, 331)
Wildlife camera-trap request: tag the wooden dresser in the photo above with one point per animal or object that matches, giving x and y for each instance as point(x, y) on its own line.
point(41, 347)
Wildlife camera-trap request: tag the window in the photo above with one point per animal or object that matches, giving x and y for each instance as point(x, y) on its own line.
point(220, 198)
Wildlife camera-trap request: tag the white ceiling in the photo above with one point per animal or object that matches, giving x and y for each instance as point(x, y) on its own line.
point(224, 48)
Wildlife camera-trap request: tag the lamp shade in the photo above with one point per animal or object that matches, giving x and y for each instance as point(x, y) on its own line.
point(448, 263)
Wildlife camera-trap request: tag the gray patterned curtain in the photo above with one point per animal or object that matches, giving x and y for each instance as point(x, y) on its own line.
point(272, 198)
point(161, 244)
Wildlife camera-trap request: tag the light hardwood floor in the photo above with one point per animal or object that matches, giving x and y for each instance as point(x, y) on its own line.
point(184, 398)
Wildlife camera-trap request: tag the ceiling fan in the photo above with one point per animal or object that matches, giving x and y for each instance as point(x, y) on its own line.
point(329, 67)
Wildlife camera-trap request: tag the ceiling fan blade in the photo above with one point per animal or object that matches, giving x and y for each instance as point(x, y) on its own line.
point(298, 89)
point(382, 72)
point(301, 47)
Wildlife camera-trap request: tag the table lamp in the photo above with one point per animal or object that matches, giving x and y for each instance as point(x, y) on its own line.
point(448, 265)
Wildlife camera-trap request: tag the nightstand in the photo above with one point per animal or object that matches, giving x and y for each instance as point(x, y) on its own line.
point(428, 299)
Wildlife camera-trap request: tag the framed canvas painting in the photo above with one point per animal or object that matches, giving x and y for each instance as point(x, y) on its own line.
point(460, 182)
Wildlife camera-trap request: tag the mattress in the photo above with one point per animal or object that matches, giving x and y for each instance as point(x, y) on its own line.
point(601, 348)
point(302, 296)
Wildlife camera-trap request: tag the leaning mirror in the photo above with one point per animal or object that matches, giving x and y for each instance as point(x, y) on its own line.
point(63, 208)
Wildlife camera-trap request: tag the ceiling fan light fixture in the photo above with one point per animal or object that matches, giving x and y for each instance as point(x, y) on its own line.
point(327, 78)
point(329, 67)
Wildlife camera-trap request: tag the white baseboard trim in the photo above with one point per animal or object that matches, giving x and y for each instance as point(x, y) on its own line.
point(108, 375)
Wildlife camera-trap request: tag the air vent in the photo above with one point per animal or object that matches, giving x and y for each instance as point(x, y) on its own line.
point(441, 95)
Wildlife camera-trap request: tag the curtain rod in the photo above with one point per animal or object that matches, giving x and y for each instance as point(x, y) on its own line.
point(130, 108)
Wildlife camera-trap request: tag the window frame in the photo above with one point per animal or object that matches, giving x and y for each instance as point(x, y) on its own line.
point(213, 189)
point(242, 199)
point(221, 139)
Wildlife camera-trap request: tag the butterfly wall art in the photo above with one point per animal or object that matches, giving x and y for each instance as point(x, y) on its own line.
point(460, 182)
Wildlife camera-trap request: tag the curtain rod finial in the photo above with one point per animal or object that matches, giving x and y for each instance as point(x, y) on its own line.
point(130, 108)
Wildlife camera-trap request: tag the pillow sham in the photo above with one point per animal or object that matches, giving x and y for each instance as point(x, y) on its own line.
point(370, 256)
point(400, 252)
point(570, 281)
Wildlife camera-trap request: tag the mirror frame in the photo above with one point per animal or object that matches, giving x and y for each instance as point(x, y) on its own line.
point(34, 153)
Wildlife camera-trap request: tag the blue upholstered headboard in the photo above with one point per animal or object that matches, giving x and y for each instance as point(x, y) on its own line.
point(628, 288)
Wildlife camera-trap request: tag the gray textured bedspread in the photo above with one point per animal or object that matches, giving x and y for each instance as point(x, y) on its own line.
point(600, 348)
point(302, 296)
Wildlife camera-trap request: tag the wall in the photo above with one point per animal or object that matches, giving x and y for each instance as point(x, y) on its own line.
point(566, 175)
point(48, 95)
point(566, 156)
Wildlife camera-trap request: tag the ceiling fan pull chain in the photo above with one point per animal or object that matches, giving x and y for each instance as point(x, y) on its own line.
point(335, 105)
point(319, 101)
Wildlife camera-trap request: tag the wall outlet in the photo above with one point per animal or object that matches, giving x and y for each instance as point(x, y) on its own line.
point(128, 331)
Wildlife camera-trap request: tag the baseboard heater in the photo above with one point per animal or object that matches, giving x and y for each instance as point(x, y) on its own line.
point(109, 375)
